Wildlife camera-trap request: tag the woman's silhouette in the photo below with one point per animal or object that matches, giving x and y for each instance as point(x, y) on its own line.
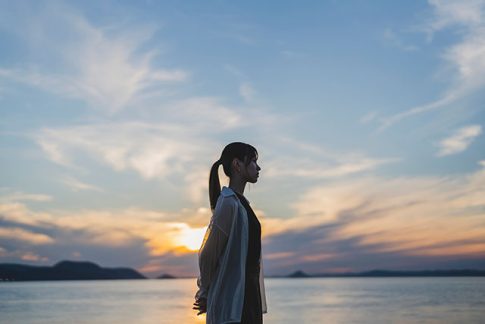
point(231, 286)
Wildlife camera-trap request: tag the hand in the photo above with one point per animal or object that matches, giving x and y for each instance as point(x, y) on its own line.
point(201, 306)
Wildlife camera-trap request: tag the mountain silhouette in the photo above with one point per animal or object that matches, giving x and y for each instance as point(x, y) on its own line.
point(65, 270)
point(390, 273)
point(299, 274)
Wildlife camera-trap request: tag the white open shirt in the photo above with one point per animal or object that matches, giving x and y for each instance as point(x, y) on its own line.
point(222, 261)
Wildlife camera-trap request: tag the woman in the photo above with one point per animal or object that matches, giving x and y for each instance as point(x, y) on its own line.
point(231, 287)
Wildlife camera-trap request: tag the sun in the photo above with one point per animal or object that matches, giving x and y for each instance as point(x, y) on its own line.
point(191, 238)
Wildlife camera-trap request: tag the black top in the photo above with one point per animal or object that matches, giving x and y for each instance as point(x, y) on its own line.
point(254, 237)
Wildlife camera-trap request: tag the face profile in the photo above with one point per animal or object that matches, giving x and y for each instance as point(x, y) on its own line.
point(252, 171)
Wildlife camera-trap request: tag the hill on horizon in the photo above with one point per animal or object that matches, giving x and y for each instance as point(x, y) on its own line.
point(394, 273)
point(65, 270)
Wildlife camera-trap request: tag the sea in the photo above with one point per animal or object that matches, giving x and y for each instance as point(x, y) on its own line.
point(296, 300)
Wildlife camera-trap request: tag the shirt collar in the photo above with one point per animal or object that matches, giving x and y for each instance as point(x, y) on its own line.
point(226, 192)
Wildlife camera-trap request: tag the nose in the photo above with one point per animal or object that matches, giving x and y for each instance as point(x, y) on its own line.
point(259, 168)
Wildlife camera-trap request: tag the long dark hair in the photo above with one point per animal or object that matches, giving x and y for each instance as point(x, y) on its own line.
point(242, 151)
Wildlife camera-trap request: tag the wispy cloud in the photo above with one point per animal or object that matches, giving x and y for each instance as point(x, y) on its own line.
point(448, 98)
point(152, 150)
point(447, 13)
point(153, 234)
point(354, 224)
point(391, 37)
point(9, 195)
point(108, 68)
point(466, 58)
point(246, 91)
point(22, 255)
point(19, 234)
point(369, 117)
point(371, 222)
point(460, 140)
point(181, 140)
point(314, 161)
point(234, 70)
point(77, 185)
point(313, 169)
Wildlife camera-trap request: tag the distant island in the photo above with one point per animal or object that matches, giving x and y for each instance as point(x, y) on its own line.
point(298, 274)
point(389, 273)
point(65, 270)
point(84, 270)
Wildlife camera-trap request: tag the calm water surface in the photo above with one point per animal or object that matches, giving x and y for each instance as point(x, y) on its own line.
point(323, 300)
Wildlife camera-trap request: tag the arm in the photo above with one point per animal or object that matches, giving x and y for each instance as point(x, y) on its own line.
point(213, 246)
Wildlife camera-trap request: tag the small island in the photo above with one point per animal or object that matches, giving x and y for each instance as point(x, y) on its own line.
point(299, 274)
point(390, 273)
point(65, 270)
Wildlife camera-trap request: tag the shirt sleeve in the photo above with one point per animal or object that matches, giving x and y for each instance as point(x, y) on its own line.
point(215, 241)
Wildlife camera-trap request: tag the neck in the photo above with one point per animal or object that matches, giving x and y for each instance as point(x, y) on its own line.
point(237, 185)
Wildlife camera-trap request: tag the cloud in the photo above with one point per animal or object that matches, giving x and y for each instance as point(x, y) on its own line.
point(369, 117)
point(448, 13)
point(101, 234)
point(77, 185)
point(9, 195)
point(246, 91)
point(181, 140)
point(448, 98)
point(155, 151)
point(377, 222)
point(18, 234)
point(235, 71)
point(460, 140)
point(466, 58)
point(307, 168)
point(110, 69)
point(391, 37)
point(353, 224)
point(314, 161)
point(23, 255)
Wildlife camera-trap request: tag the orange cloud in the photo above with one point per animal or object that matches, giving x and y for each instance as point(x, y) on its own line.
point(415, 216)
point(160, 231)
point(23, 235)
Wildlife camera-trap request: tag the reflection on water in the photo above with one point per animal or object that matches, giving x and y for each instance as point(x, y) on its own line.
point(330, 300)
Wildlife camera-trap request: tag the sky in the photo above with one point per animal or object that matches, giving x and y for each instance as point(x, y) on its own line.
point(368, 117)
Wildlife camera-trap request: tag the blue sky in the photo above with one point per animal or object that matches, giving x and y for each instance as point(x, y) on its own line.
point(368, 117)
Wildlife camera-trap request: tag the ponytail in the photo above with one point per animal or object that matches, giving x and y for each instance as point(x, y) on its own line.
point(214, 184)
point(242, 151)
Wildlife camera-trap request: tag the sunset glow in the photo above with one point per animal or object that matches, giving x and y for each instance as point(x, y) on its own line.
point(368, 118)
point(191, 238)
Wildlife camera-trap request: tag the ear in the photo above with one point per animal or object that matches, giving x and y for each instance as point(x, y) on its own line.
point(236, 164)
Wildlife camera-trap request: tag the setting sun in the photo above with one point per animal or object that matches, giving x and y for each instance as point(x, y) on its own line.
point(191, 238)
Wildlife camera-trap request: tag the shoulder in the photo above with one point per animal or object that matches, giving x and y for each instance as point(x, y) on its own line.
point(228, 192)
point(227, 202)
